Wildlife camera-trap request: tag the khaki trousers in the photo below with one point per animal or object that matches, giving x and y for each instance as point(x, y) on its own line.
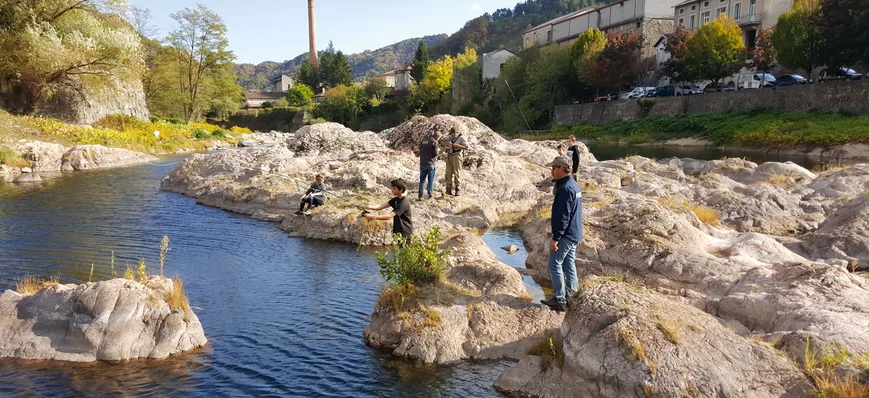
point(454, 171)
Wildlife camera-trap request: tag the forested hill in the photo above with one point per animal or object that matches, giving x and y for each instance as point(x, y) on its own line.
point(503, 28)
point(365, 64)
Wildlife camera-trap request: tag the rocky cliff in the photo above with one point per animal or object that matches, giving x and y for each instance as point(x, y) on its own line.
point(87, 105)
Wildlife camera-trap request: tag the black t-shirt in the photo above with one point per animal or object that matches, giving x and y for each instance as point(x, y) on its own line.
point(401, 223)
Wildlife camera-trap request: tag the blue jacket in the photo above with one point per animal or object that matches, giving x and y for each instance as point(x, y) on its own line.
point(567, 211)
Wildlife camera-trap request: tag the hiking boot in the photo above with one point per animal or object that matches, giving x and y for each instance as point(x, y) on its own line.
point(555, 304)
point(456, 193)
point(307, 213)
point(298, 213)
point(419, 199)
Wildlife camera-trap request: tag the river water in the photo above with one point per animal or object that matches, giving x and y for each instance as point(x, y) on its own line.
point(284, 316)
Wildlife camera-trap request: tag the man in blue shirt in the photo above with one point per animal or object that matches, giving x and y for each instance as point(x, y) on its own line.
point(566, 234)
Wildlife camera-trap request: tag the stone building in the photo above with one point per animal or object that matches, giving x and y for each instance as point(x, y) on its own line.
point(493, 62)
point(282, 83)
point(751, 15)
point(650, 18)
point(388, 77)
point(403, 80)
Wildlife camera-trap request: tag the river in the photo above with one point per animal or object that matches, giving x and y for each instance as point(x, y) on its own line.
point(284, 316)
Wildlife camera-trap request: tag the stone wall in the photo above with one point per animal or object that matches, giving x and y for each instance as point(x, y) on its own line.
point(89, 106)
point(827, 97)
point(278, 119)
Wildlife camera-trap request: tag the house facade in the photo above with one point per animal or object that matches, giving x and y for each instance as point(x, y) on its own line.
point(493, 62)
point(256, 99)
point(403, 80)
point(751, 15)
point(650, 18)
point(388, 77)
point(282, 83)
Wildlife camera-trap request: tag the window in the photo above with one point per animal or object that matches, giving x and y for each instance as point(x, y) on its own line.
point(681, 22)
point(681, 11)
point(705, 4)
point(721, 11)
point(692, 23)
point(694, 7)
point(752, 5)
point(549, 36)
point(704, 17)
point(736, 9)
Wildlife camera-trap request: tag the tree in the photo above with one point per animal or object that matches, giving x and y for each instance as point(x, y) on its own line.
point(547, 82)
point(618, 65)
point(201, 54)
point(435, 84)
point(140, 19)
point(334, 68)
point(674, 68)
point(716, 51)
point(585, 51)
point(308, 76)
point(842, 24)
point(421, 62)
point(376, 88)
point(797, 39)
point(467, 79)
point(341, 104)
point(300, 95)
point(50, 45)
point(763, 54)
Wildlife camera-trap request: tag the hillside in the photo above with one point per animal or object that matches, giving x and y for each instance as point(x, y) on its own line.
point(365, 64)
point(503, 28)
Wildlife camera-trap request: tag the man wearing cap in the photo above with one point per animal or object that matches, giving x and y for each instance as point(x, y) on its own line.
point(566, 234)
point(456, 144)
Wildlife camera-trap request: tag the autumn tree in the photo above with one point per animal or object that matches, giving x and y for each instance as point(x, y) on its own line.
point(376, 88)
point(799, 41)
point(467, 76)
point(763, 54)
point(843, 26)
point(342, 104)
point(674, 68)
point(585, 52)
point(618, 65)
point(421, 62)
point(51, 45)
point(203, 58)
point(716, 51)
point(434, 85)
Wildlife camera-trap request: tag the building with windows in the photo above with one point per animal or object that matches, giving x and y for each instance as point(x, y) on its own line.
point(751, 15)
point(650, 18)
point(493, 62)
point(282, 83)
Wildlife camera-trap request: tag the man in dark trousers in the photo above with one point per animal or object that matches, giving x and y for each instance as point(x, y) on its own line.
point(566, 234)
point(573, 155)
point(402, 221)
point(456, 145)
point(428, 154)
point(314, 196)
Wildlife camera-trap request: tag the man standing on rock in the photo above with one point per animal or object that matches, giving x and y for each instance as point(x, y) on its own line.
point(428, 154)
point(573, 155)
point(402, 221)
point(566, 234)
point(456, 145)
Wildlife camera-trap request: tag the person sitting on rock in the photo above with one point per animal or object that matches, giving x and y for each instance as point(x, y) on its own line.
point(573, 155)
point(456, 145)
point(314, 196)
point(402, 220)
point(428, 154)
point(566, 234)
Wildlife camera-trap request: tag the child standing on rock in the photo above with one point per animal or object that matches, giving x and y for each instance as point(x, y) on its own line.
point(314, 196)
point(402, 220)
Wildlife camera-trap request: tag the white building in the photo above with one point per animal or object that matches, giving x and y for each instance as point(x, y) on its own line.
point(388, 77)
point(493, 62)
point(403, 80)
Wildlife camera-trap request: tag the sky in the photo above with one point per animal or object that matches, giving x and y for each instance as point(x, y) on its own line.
point(277, 30)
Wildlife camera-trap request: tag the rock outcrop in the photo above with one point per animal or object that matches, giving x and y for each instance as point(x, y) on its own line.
point(50, 157)
point(84, 105)
point(113, 320)
point(622, 341)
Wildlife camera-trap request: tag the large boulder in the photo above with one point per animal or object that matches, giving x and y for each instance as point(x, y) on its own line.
point(333, 140)
point(88, 157)
point(624, 341)
point(408, 136)
point(113, 320)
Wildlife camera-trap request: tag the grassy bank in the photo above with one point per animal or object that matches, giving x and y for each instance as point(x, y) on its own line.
point(767, 129)
point(116, 131)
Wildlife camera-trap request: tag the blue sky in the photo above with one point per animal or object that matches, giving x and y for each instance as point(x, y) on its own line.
point(275, 30)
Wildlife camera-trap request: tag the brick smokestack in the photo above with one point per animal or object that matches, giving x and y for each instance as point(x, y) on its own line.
point(312, 37)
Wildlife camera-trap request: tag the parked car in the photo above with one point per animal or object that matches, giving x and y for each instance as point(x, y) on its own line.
point(689, 90)
point(756, 80)
point(716, 88)
point(833, 74)
point(663, 91)
point(637, 92)
point(607, 97)
point(790, 80)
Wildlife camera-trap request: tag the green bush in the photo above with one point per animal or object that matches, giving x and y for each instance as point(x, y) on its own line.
point(416, 262)
point(200, 134)
point(280, 103)
point(267, 105)
point(169, 120)
point(120, 122)
point(300, 95)
point(219, 133)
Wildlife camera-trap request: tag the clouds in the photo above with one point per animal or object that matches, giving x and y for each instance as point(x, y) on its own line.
point(476, 7)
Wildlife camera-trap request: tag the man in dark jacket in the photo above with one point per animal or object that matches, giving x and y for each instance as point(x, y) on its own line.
point(402, 218)
point(314, 196)
point(566, 234)
point(573, 155)
point(428, 154)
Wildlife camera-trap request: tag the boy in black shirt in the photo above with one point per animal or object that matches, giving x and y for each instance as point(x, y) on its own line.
point(402, 222)
point(314, 196)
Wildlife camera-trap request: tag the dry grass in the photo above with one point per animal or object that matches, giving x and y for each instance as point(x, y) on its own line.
point(433, 319)
point(176, 298)
point(673, 203)
point(779, 179)
point(668, 327)
point(12, 159)
point(637, 350)
point(31, 284)
point(603, 202)
point(821, 366)
point(707, 215)
point(651, 391)
point(834, 386)
point(829, 168)
point(524, 296)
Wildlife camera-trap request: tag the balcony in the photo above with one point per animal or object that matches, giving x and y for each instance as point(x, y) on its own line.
point(748, 19)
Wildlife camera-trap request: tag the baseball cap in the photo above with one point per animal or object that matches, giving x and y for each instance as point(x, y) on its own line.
point(560, 161)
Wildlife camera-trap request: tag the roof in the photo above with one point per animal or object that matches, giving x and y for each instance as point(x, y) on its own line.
point(279, 77)
point(685, 3)
point(390, 73)
point(260, 95)
point(497, 51)
point(665, 36)
point(562, 18)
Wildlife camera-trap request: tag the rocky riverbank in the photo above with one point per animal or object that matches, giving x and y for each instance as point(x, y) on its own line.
point(46, 157)
point(113, 320)
point(767, 257)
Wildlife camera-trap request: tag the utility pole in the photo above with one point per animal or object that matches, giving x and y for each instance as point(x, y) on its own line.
point(312, 37)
